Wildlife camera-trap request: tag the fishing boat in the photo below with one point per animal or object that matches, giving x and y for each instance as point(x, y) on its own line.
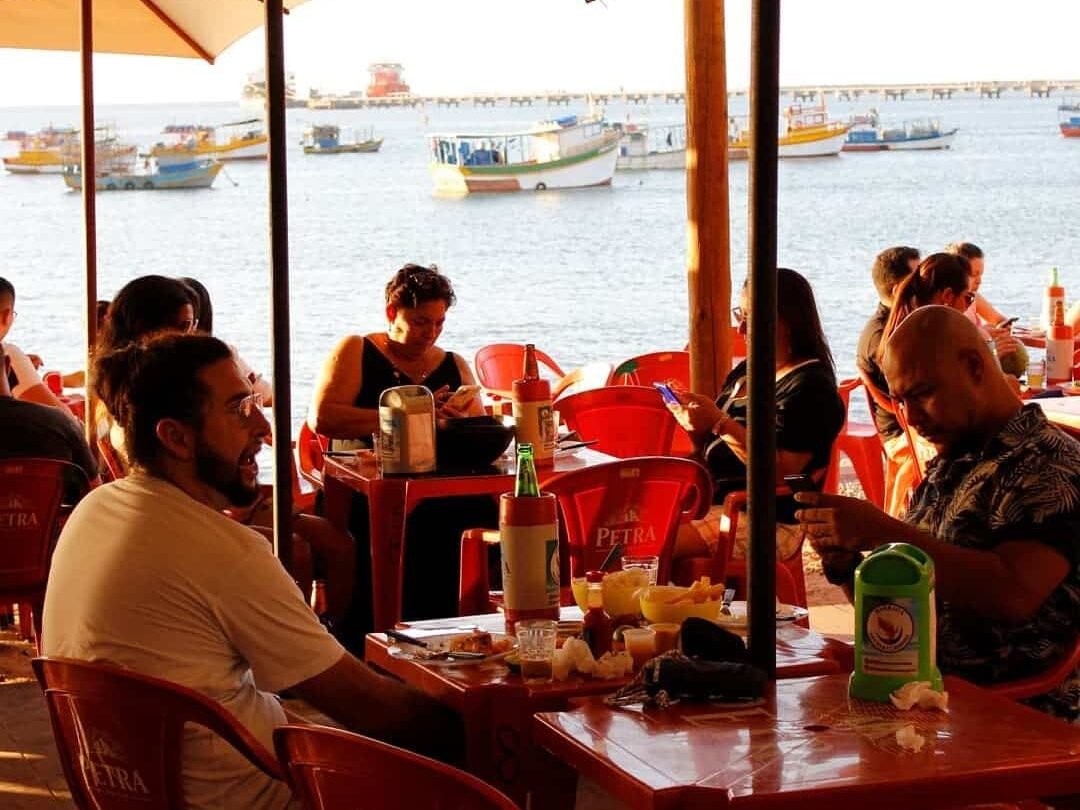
point(49, 150)
point(239, 140)
point(1069, 118)
point(153, 177)
point(569, 152)
point(651, 147)
point(325, 139)
point(867, 134)
point(807, 132)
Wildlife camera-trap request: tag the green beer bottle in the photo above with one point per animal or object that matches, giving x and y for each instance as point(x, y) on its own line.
point(525, 481)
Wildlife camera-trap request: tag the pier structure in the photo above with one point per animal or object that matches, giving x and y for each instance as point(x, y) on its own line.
point(1034, 88)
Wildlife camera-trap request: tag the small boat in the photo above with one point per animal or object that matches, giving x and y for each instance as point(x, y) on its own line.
point(239, 140)
point(570, 152)
point(1069, 119)
point(807, 132)
point(648, 147)
point(155, 177)
point(868, 135)
point(49, 150)
point(325, 139)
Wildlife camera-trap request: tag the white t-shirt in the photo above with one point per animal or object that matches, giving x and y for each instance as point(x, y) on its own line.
point(146, 577)
point(26, 376)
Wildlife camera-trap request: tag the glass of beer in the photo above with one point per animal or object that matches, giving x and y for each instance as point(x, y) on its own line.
point(536, 648)
point(641, 644)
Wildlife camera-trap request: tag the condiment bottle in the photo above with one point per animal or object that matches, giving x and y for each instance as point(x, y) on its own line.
point(1059, 348)
point(529, 537)
point(596, 629)
point(895, 622)
point(1054, 293)
point(532, 410)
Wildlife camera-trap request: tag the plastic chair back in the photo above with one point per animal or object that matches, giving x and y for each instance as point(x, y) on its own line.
point(1044, 682)
point(885, 403)
point(338, 770)
point(499, 364)
point(110, 459)
point(645, 369)
point(120, 734)
point(638, 502)
point(310, 447)
point(32, 491)
point(625, 420)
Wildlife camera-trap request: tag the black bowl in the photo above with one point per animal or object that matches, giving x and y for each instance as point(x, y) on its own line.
point(471, 442)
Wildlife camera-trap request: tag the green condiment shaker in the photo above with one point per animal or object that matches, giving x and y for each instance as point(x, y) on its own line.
point(895, 622)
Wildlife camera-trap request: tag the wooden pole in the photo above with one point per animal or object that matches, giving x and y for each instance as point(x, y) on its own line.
point(88, 168)
point(709, 248)
point(761, 352)
point(279, 281)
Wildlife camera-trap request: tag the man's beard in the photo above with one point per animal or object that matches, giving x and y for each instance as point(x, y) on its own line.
point(224, 476)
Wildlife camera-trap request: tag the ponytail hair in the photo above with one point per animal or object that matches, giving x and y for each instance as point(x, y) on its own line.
point(935, 274)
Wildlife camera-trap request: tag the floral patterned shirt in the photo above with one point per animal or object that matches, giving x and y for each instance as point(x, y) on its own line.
point(1024, 484)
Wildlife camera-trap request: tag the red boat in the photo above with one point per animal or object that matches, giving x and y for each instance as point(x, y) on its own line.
point(1069, 119)
point(386, 80)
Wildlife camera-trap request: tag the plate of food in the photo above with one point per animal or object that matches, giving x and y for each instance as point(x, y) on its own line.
point(453, 649)
point(734, 617)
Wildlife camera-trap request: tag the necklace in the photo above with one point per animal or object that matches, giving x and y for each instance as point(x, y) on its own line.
point(400, 374)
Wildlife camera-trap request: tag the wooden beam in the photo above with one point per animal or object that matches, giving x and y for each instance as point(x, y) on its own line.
point(88, 167)
point(709, 248)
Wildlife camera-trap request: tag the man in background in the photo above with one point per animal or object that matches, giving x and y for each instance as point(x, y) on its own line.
point(23, 379)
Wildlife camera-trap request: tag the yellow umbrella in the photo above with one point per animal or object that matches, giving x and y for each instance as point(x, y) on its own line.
point(196, 29)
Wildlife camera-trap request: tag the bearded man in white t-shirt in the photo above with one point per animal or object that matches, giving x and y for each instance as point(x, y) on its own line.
point(149, 574)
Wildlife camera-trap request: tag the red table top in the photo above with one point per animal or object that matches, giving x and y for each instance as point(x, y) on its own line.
point(809, 746)
point(799, 652)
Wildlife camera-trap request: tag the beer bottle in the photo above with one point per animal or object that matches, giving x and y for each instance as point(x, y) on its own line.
point(526, 484)
point(531, 370)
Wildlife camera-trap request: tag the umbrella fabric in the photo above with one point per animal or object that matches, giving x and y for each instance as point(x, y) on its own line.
point(162, 28)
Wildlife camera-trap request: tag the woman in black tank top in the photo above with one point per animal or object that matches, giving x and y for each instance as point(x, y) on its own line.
point(345, 406)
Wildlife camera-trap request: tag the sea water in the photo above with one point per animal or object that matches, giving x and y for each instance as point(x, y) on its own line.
point(588, 275)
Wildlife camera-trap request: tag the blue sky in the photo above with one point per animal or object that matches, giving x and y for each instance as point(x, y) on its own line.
point(524, 45)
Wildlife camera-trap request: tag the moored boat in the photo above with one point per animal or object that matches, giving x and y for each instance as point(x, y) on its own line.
point(651, 147)
point(867, 134)
point(157, 177)
point(325, 139)
point(570, 152)
point(807, 132)
point(239, 140)
point(49, 150)
point(1069, 118)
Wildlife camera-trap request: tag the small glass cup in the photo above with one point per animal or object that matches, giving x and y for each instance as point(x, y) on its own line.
point(640, 643)
point(376, 447)
point(649, 563)
point(536, 649)
point(1035, 375)
point(667, 636)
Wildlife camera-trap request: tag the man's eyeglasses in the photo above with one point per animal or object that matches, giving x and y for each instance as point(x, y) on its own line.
point(188, 325)
point(738, 314)
point(247, 406)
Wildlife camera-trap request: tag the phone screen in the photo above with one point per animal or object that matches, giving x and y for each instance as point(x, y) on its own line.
point(800, 483)
point(667, 393)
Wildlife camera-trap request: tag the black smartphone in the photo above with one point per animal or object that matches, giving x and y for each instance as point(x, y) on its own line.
point(800, 483)
point(1008, 322)
point(669, 395)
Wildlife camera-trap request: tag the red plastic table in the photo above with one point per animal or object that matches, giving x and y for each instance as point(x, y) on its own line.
point(497, 705)
point(809, 746)
point(392, 499)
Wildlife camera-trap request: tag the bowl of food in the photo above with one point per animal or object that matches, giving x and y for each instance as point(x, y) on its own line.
point(471, 442)
point(675, 604)
point(620, 590)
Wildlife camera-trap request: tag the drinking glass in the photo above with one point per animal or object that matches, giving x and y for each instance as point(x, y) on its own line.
point(536, 648)
point(1035, 375)
point(667, 636)
point(650, 564)
point(640, 643)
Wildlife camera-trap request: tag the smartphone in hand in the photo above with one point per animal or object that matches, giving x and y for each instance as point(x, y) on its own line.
point(461, 398)
point(669, 395)
point(800, 483)
point(1005, 324)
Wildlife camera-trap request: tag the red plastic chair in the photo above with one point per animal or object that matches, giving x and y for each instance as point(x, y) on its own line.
point(32, 496)
point(338, 770)
point(860, 442)
point(897, 488)
point(645, 369)
point(110, 459)
point(638, 502)
point(499, 364)
point(625, 420)
point(310, 447)
point(1044, 682)
point(120, 734)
